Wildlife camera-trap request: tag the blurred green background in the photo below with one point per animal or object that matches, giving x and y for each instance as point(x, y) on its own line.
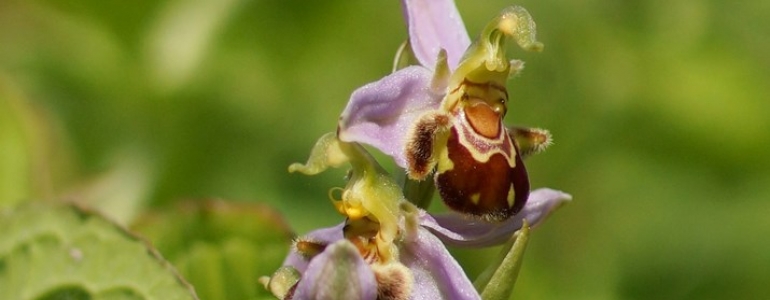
point(659, 110)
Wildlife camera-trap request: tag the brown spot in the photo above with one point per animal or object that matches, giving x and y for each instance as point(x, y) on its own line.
point(394, 281)
point(308, 248)
point(419, 148)
point(483, 119)
point(530, 140)
point(491, 180)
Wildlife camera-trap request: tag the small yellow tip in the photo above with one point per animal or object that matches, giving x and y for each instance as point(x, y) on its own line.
point(507, 25)
point(264, 280)
point(355, 213)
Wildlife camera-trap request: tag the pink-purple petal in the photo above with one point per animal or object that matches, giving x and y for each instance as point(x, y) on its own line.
point(437, 275)
point(339, 272)
point(435, 25)
point(458, 230)
point(381, 113)
point(326, 236)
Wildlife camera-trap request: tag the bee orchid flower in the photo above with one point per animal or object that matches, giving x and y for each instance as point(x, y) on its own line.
point(445, 116)
point(442, 116)
point(387, 248)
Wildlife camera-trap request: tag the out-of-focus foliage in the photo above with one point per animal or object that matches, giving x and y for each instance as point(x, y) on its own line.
point(658, 109)
point(220, 247)
point(51, 251)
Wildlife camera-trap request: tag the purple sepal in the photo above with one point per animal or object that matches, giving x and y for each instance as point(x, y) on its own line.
point(437, 274)
point(325, 236)
point(381, 113)
point(435, 25)
point(339, 272)
point(458, 230)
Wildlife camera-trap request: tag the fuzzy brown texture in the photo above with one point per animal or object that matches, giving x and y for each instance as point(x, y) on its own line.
point(394, 282)
point(419, 148)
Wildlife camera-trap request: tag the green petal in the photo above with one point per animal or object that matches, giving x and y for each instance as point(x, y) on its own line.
point(485, 60)
point(326, 153)
point(54, 251)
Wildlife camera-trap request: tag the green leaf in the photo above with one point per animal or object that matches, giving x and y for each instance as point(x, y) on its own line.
point(496, 282)
point(221, 247)
point(58, 251)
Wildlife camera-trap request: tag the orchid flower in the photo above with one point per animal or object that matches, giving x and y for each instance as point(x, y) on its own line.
point(387, 248)
point(445, 116)
point(442, 117)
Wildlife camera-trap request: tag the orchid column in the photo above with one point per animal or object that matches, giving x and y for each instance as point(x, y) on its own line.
point(440, 118)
